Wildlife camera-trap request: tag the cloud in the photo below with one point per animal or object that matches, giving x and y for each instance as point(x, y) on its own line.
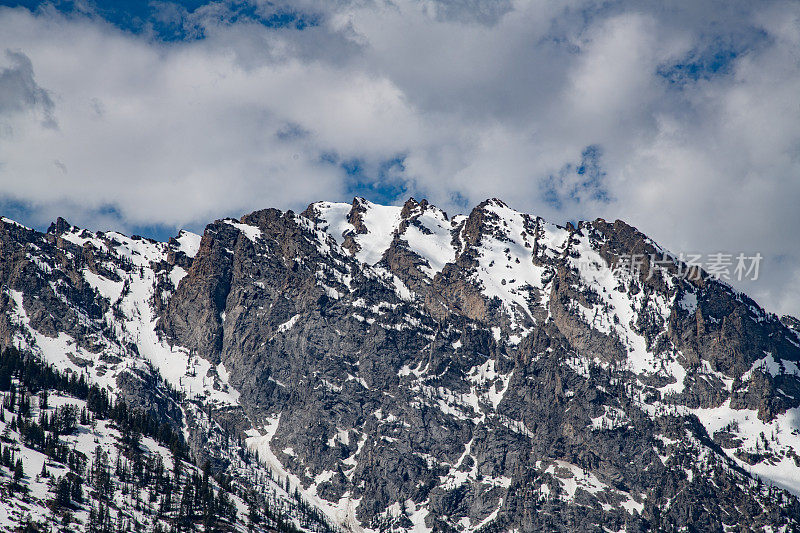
point(683, 121)
point(20, 93)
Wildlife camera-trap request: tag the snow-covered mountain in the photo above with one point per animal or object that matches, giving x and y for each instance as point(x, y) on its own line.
point(391, 368)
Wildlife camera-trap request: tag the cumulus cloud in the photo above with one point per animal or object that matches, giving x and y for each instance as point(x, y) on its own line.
point(683, 121)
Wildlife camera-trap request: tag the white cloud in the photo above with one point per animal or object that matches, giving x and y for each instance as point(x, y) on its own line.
point(693, 109)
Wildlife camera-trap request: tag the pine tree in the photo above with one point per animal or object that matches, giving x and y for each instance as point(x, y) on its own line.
point(6, 453)
point(101, 475)
point(76, 487)
point(63, 492)
point(18, 470)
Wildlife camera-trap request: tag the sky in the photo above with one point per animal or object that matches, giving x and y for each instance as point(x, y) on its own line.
point(681, 118)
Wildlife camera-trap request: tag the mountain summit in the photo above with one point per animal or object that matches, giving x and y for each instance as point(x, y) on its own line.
point(360, 367)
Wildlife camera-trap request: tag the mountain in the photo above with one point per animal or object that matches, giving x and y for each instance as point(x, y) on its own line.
point(360, 367)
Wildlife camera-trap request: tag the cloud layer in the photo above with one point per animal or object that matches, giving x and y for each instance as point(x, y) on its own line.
point(684, 121)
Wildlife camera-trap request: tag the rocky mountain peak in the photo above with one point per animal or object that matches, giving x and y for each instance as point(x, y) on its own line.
point(396, 369)
point(356, 215)
point(59, 227)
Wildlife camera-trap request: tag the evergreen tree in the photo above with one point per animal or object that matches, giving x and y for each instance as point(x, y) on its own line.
point(18, 470)
point(101, 475)
point(63, 492)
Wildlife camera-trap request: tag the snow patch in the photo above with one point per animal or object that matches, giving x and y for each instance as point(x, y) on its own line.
point(188, 243)
point(107, 288)
point(251, 232)
point(14, 223)
point(289, 324)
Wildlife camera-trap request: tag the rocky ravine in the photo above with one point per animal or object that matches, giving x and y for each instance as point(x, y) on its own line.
point(409, 371)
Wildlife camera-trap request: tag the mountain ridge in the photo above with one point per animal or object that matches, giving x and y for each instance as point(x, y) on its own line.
point(404, 370)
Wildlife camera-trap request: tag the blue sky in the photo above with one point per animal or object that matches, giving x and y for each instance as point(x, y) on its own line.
point(680, 118)
point(171, 21)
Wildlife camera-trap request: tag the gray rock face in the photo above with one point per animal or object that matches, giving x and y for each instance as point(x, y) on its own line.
point(407, 370)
